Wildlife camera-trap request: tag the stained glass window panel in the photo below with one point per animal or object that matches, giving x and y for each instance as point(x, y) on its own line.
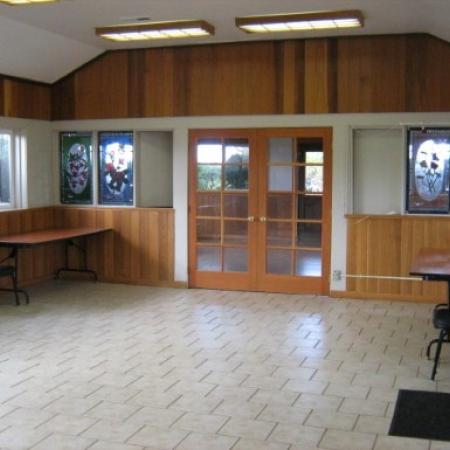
point(76, 168)
point(116, 177)
point(428, 170)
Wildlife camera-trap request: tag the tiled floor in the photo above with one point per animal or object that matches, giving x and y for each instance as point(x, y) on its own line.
point(112, 367)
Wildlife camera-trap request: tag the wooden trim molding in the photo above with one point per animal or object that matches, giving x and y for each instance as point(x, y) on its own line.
point(388, 297)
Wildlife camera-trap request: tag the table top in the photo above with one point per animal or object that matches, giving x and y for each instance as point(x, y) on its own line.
point(432, 263)
point(47, 236)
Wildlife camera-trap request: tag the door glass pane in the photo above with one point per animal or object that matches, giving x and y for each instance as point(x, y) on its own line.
point(236, 176)
point(208, 231)
point(235, 260)
point(308, 263)
point(208, 259)
point(236, 151)
point(208, 204)
point(279, 234)
point(280, 149)
point(209, 151)
point(309, 179)
point(309, 235)
point(235, 205)
point(280, 178)
point(314, 179)
point(279, 206)
point(209, 178)
point(309, 151)
point(309, 207)
point(235, 232)
point(279, 262)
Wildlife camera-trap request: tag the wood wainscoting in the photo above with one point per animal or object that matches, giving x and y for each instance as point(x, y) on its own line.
point(139, 250)
point(40, 263)
point(384, 246)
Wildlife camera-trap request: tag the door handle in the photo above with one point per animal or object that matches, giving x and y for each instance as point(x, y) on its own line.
point(251, 218)
point(262, 219)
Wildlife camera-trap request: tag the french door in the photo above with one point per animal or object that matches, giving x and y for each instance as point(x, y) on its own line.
point(260, 209)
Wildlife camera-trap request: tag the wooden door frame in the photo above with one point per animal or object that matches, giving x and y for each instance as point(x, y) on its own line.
point(292, 284)
point(221, 280)
point(253, 281)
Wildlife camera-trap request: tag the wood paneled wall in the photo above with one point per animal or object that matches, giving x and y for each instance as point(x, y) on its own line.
point(344, 75)
point(372, 74)
point(320, 76)
point(139, 250)
point(25, 99)
point(39, 263)
point(385, 246)
point(396, 73)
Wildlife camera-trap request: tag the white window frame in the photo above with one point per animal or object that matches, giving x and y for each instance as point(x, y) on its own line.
point(12, 172)
point(17, 171)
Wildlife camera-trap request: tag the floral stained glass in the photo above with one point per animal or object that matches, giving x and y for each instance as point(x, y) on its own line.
point(116, 175)
point(428, 170)
point(76, 168)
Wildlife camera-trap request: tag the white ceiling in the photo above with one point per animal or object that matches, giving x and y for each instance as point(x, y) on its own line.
point(44, 42)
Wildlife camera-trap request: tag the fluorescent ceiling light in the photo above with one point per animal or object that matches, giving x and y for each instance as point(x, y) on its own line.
point(326, 20)
point(156, 30)
point(26, 2)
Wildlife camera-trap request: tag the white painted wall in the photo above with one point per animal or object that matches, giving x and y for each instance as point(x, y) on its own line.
point(44, 56)
point(154, 169)
point(342, 125)
point(37, 169)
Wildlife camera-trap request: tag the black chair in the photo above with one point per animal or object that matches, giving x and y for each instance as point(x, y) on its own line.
point(441, 321)
point(10, 271)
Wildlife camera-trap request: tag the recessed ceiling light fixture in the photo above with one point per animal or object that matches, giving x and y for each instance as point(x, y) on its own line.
point(324, 20)
point(156, 30)
point(26, 2)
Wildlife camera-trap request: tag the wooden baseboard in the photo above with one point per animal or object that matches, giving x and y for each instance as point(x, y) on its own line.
point(387, 297)
point(37, 280)
point(168, 284)
point(180, 284)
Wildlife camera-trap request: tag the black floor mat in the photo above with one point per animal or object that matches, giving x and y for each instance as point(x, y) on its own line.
point(422, 414)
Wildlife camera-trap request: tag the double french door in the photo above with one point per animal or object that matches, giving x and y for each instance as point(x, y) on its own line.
point(260, 209)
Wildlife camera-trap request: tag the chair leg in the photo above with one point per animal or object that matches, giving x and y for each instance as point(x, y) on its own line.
point(16, 292)
point(434, 341)
point(438, 353)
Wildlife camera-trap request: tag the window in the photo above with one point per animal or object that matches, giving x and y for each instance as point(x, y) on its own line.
point(116, 168)
point(6, 176)
point(103, 167)
point(428, 170)
point(97, 168)
point(76, 168)
point(13, 158)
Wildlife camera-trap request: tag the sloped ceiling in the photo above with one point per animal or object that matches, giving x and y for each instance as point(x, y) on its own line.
point(45, 42)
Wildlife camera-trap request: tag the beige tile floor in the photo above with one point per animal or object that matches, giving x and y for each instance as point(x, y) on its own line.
point(113, 367)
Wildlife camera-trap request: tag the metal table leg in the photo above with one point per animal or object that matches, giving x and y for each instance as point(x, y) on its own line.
point(82, 249)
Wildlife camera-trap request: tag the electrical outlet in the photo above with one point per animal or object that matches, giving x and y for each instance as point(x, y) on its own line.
point(337, 275)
